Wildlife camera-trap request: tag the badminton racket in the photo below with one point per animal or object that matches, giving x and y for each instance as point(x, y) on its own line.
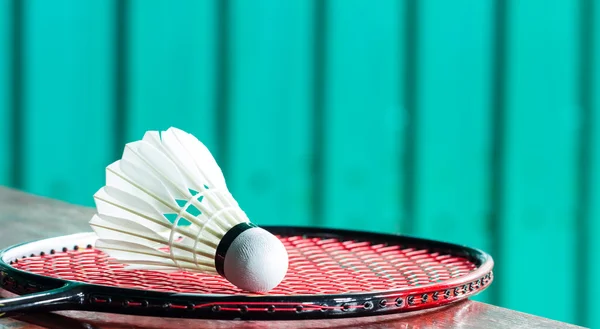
point(332, 273)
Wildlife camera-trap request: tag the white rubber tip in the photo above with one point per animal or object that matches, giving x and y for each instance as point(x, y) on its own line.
point(256, 261)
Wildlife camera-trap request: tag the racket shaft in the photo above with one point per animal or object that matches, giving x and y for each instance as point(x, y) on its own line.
point(53, 300)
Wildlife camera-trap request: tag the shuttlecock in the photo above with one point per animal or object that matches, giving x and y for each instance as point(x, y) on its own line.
point(166, 207)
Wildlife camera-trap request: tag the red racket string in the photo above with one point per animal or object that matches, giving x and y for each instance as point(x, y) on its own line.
point(317, 266)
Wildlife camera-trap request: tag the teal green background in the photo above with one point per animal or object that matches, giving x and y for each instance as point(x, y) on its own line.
point(470, 121)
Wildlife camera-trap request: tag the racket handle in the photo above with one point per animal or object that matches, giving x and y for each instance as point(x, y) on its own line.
point(66, 297)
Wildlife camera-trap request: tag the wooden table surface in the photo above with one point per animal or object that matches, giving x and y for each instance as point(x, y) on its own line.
point(24, 217)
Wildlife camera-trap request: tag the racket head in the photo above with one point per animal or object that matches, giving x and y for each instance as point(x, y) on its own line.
point(332, 273)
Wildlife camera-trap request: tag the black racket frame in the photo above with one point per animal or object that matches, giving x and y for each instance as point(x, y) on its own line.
point(44, 294)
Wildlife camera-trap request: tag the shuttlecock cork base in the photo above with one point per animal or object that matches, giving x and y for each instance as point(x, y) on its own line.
point(166, 207)
point(251, 258)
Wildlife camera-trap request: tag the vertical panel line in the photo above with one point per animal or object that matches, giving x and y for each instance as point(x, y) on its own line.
point(17, 77)
point(411, 89)
point(121, 82)
point(497, 138)
point(319, 110)
point(586, 69)
point(222, 94)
